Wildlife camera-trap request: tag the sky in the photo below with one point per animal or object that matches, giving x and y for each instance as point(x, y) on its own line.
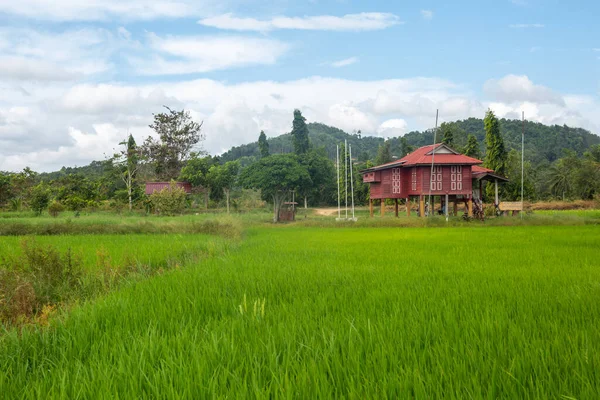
point(76, 77)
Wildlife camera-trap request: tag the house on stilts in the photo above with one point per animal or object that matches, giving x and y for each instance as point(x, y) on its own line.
point(456, 179)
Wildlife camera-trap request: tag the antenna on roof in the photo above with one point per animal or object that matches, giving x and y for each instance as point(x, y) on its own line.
point(432, 161)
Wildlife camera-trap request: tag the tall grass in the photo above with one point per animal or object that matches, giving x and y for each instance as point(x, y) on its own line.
point(302, 312)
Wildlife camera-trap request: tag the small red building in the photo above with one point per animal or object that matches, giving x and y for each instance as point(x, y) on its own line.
point(455, 178)
point(152, 187)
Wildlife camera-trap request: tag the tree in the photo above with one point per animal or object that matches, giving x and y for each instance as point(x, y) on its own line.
point(472, 147)
point(195, 172)
point(5, 189)
point(322, 175)
point(40, 198)
point(263, 145)
point(128, 160)
point(560, 179)
point(447, 133)
point(170, 200)
point(300, 133)
point(405, 148)
point(224, 177)
point(384, 153)
point(275, 176)
point(177, 136)
point(495, 157)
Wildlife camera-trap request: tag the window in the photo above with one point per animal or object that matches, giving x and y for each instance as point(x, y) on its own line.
point(396, 181)
point(413, 179)
point(456, 177)
point(436, 178)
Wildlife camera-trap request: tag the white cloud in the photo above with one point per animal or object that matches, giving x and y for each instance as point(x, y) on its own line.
point(48, 126)
point(345, 62)
point(349, 22)
point(427, 14)
point(392, 128)
point(515, 88)
point(525, 26)
point(99, 10)
point(194, 54)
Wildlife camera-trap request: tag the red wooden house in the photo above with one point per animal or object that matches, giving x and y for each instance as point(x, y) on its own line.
point(454, 178)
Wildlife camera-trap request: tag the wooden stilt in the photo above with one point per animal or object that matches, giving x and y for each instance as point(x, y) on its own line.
point(382, 207)
point(446, 205)
point(455, 207)
point(470, 205)
point(396, 207)
point(408, 206)
point(496, 189)
point(421, 206)
point(371, 207)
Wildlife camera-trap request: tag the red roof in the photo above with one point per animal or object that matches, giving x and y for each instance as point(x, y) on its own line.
point(481, 170)
point(152, 187)
point(423, 156)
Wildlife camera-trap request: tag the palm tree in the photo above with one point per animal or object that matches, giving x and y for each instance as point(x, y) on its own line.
point(560, 179)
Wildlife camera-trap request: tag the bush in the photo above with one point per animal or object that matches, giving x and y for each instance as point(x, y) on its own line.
point(169, 201)
point(40, 197)
point(55, 208)
point(75, 203)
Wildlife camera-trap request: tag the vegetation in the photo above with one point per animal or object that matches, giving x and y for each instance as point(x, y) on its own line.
point(319, 313)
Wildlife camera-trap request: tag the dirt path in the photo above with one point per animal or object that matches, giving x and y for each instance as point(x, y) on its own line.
point(326, 212)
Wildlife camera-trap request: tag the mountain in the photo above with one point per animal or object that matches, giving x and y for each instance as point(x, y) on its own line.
point(543, 143)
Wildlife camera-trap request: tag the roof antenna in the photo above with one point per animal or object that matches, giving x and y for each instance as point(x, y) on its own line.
point(429, 210)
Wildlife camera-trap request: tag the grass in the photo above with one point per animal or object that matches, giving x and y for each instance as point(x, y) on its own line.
point(305, 312)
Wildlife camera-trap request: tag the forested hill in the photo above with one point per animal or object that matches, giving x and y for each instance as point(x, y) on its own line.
point(542, 143)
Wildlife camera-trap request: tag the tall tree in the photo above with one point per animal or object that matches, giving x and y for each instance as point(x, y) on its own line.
point(128, 159)
point(177, 134)
point(472, 147)
point(384, 153)
point(224, 177)
point(195, 172)
point(275, 176)
point(447, 131)
point(495, 157)
point(263, 145)
point(322, 175)
point(300, 133)
point(405, 148)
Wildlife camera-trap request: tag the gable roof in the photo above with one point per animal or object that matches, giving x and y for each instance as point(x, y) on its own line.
point(486, 174)
point(441, 154)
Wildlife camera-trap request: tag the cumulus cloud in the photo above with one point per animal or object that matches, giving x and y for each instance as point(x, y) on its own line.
point(63, 124)
point(193, 54)
point(427, 14)
point(100, 10)
point(349, 22)
point(392, 128)
point(515, 88)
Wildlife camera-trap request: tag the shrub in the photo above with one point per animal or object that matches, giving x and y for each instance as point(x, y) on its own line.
point(40, 197)
point(75, 203)
point(169, 201)
point(55, 208)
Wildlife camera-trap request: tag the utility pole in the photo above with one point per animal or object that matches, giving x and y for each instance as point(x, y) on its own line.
point(522, 162)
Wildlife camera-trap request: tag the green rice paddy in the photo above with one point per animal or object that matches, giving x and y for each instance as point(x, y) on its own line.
point(316, 312)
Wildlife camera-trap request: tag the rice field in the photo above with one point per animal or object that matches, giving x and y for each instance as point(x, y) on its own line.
point(316, 312)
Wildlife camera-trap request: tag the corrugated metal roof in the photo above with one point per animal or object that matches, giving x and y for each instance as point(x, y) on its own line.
point(423, 156)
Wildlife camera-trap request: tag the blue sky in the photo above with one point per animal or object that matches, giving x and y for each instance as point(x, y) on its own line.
point(75, 78)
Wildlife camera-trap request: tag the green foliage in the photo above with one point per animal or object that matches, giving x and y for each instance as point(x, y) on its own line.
point(511, 190)
point(263, 145)
point(40, 198)
point(275, 176)
point(177, 134)
point(222, 178)
point(384, 154)
point(495, 156)
point(55, 208)
point(300, 133)
point(472, 148)
point(322, 185)
point(170, 200)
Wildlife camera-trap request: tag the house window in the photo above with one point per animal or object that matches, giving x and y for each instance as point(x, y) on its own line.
point(456, 177)
point(413, 179)
point(436, 178)
point(396, 180)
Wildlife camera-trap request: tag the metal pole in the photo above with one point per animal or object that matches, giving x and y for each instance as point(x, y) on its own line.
point(351, 182)
point(337, 164)
point(430, 208)
point(522, 162)
point(346, 173)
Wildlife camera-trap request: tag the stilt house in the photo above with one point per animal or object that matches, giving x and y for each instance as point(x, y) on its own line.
point(456, 178)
